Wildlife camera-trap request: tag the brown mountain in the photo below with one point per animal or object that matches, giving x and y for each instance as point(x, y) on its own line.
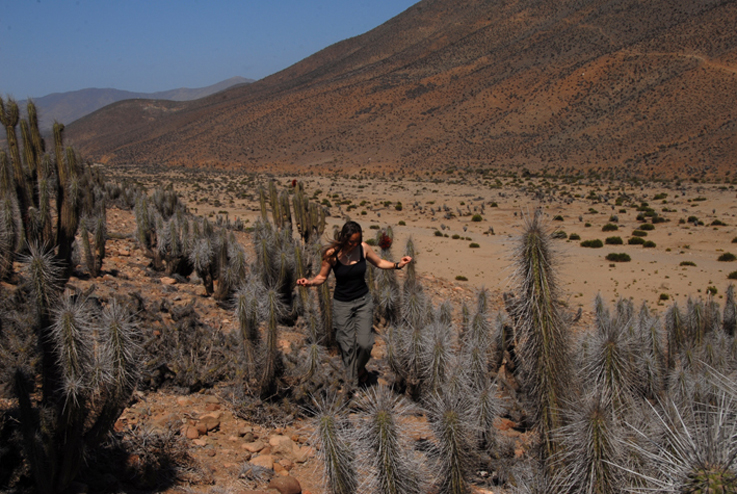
point(640, 85)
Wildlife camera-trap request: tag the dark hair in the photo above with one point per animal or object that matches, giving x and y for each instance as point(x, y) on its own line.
point(349, 229)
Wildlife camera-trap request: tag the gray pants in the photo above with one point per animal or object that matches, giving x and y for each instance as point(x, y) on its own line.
point(353, 323)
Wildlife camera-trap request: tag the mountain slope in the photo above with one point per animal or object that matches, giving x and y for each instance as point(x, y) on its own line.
point(643, 86)
point(69, 106)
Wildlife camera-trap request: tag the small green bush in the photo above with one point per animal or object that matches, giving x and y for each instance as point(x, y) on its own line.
point(692, 219)
point(398, 206)
point(718, 223)
point(609, 227)
point(559, 234)
point(594, 244)
point(618, 257)
point(687, 263)
point(636, 241)
point(438, 233)
point(639, 233)
point(732, 275)
point(494, 205)
point(574, 236)
point(374, 227)
point(476, 218)
point(711, 290)
point(658, 219)
point(455, 236)
point(727, 257)
point(402, 223)
point(474, 245)
point(648, 227)
point(613, 241)
point(461, 278)
point(587, 225)
point(649, 244)
point(664, 296)
point(734, 240)
point(557, 217)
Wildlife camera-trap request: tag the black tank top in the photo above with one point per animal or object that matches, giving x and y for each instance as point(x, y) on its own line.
point(350, 280)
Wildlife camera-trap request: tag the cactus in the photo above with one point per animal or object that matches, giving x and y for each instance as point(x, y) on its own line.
point(272, 309)
point(334, 449)
point(592, 448)
point(386, 453)
point(452, 422)
point(730, 311)
point(438, 359)
point(544, 339)
point(87, 374)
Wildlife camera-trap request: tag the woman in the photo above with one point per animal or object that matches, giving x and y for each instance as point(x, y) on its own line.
point(352, 304)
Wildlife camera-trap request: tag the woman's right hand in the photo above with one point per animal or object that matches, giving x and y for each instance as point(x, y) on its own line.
point(303, 282)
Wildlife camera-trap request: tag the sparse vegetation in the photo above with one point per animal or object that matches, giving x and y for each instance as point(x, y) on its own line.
point(609, 227)
point(594, 243)
point(613, 241)
point(727, 257)
point(618, 257)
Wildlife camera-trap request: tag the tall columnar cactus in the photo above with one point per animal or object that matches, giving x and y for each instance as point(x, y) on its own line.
point(88, 373)
point(592, 448)
point(452, 422)
point(338, 457)
point(542, 334)
point(276, 213)
point(247, 315)
point(386, 454)
point(273, 309)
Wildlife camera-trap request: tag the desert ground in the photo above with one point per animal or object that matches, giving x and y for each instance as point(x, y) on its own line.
point(655, 276)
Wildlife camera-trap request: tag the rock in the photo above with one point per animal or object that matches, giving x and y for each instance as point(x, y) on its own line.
point(285, 485)
point(165, 280)
point(124, 252)
point(301, 455)
point(266, 461)
point(199, 442)
point(210, 423)
point(278, 468)
point(254, 447)
point(212, 399)
point(190, 432)
point(211, 407)
point(248, 437)
point(201, 428)
point(184, 401)
point(287, 464)
point(282, 445)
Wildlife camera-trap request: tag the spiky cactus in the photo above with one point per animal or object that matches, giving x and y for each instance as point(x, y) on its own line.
point(386, 454)
point(592, 447)
point(452, 421)
point(338, 457)
point(88, 372)
point(543, 337)
point(272, 309)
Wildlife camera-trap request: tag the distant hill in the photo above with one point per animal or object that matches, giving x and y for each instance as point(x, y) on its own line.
point(638, 86)
point(68, 107)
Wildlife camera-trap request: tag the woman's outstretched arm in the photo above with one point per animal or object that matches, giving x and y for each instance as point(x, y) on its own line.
point(320, 278)
point(384, 263)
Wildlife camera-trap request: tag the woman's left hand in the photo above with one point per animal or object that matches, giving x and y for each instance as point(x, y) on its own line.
point(404, 261)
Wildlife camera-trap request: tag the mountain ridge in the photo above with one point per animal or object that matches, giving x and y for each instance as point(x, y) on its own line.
point(646, 87)
point(71, 105)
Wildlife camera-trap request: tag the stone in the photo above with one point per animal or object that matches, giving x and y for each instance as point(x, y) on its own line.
point(286, 485)
point(278, 468)
point(165, 280)
point(211, 407)
point(212, 399)
point(199, 442)
point(183, 401)
point(191, 432)
point(248, 437)
point(287, 464)
point(302, 454)
point(124, 252)
point(254, 447)
point(282, 445)
point(266, 461)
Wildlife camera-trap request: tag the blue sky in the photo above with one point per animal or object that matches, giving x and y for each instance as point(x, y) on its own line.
point(49, 46)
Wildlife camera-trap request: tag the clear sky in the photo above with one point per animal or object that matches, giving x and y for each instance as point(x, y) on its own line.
point(49, 46)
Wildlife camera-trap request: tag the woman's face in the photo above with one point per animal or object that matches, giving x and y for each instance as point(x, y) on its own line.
point(353, 241)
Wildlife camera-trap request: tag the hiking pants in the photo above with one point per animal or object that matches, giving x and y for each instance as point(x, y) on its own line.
point(353, 323)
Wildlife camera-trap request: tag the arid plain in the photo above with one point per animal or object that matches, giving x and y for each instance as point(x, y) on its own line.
point(437, 212)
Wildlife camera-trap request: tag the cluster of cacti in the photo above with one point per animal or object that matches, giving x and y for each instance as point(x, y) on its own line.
point(34, 183)
point(88, 362)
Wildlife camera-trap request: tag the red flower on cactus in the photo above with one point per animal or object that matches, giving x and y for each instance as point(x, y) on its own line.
point(294, 182)
point(385, 241)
